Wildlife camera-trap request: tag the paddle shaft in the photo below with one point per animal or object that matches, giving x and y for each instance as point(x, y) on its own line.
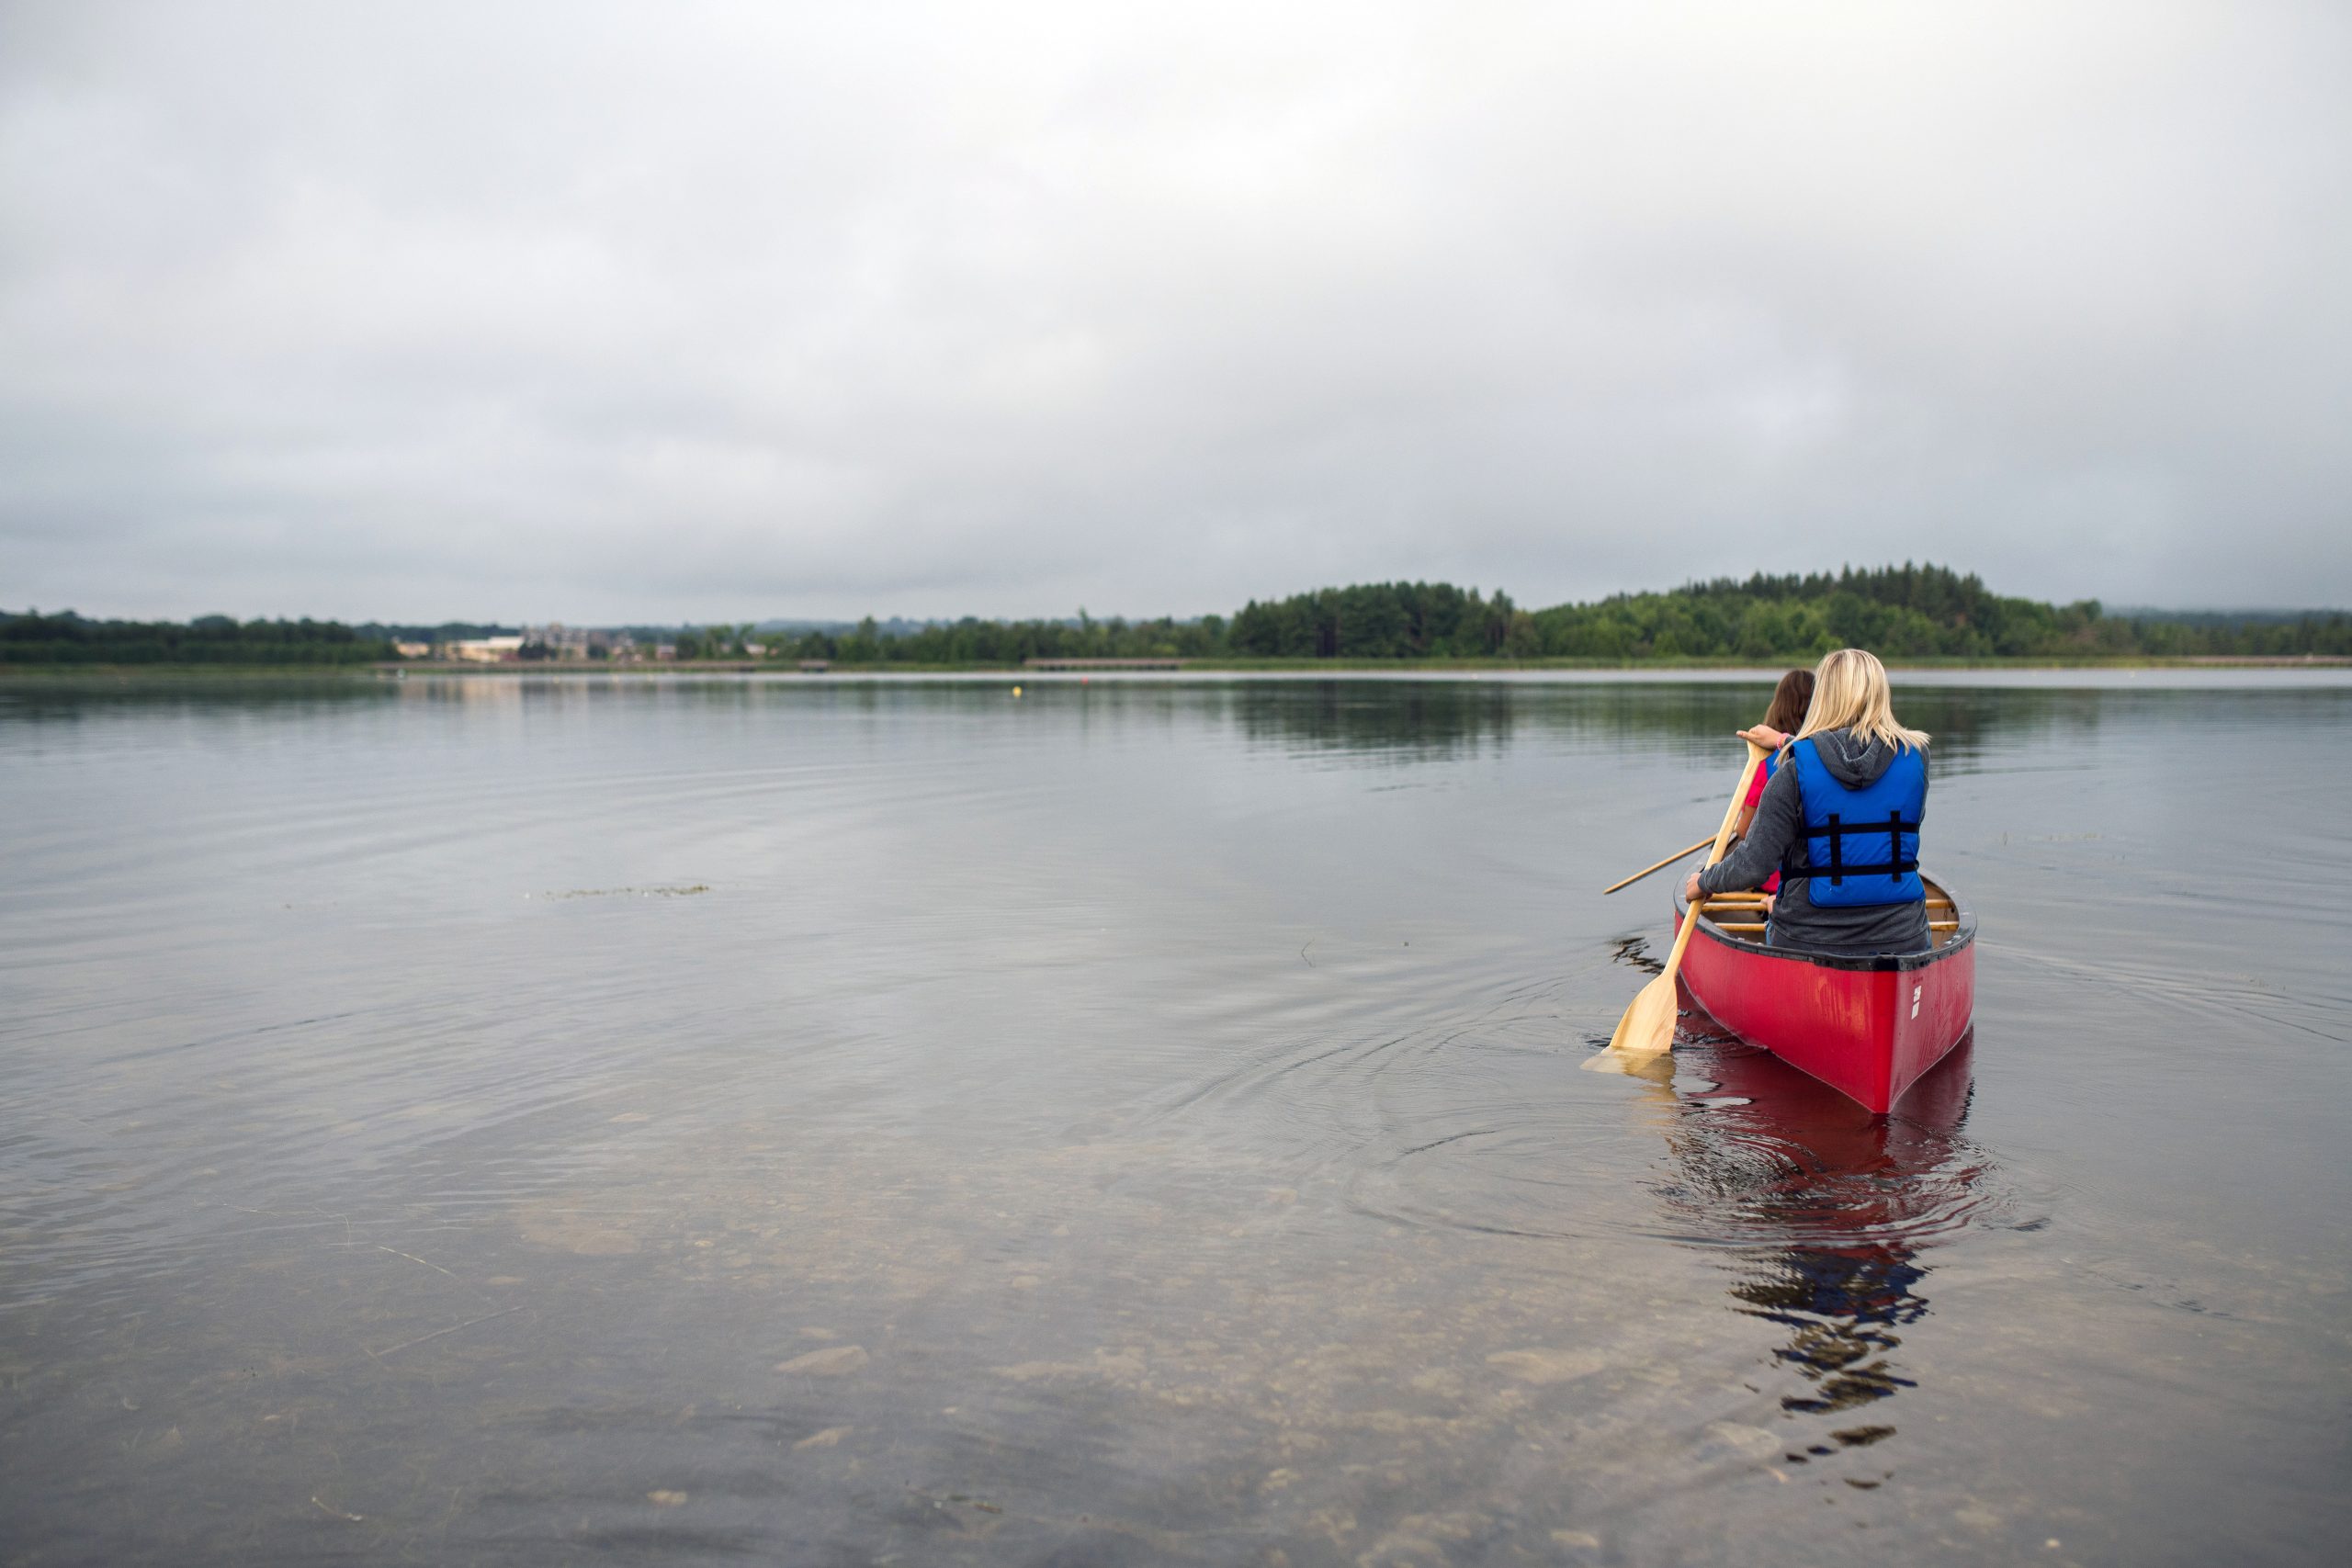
point(1647, 1028)
point(1755, 754)
point(1660, 866)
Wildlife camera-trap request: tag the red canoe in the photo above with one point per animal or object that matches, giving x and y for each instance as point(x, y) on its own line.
point(1866, 1027)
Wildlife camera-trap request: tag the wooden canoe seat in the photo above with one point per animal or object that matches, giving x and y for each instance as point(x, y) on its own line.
point(1741, 915)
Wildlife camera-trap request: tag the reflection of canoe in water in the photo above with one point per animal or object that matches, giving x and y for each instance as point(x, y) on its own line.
point(1833, 1213)
point(1868, 1027)
point(1790, 1108)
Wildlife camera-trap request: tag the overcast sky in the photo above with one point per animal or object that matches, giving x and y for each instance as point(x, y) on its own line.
point(677, 310)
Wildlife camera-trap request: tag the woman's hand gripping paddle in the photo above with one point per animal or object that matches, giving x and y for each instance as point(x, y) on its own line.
point(1647, 1027)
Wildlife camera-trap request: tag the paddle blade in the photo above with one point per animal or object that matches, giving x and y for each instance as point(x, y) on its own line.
point(1647, 1027)
point(1657, 1069)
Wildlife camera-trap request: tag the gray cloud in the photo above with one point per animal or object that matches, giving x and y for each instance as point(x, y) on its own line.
point(733, 309)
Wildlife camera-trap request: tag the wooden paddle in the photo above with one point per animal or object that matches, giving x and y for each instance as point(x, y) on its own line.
point(1660, 866)
point(1647, 1027)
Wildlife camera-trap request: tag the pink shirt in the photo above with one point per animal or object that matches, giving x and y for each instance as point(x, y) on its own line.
point(1756, 793)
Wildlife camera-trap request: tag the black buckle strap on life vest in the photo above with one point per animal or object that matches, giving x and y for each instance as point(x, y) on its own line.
point(1836, 870)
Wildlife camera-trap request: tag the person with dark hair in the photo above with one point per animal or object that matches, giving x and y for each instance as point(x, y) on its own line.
point(1791, 699)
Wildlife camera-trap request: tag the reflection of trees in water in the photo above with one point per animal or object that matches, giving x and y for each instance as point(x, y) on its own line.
point(72, 698)
point(1431, 720)
point(1437, 719)
point(1413, 719)
point(1406, 720)
point(1968, 721)
point(1830, 1209)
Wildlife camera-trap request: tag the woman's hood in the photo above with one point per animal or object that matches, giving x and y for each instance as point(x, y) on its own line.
point(1853, 760)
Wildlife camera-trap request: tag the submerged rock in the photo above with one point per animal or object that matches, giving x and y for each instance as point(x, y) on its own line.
point(1542, 1366)
point(835, 1361)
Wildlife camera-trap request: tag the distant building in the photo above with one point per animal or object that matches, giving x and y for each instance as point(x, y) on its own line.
point(665, 650)
point(413, 649)
point(488, 649)
point(555, 641)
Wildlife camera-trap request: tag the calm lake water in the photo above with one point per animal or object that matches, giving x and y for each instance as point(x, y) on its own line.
point(550, 1122)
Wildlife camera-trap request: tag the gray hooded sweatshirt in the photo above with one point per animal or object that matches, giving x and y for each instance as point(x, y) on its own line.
point(1777, 833)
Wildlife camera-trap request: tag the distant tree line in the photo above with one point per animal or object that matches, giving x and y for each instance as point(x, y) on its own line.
point(974, 641)
point(447, 631)
point(1386, 620)
point(1902, 611)
point(1906, 611)
point(69, 639)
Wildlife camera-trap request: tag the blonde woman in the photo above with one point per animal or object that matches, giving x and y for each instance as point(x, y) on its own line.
point(1840, 822)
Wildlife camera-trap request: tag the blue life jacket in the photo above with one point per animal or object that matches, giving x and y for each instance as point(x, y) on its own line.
point(1861, 845)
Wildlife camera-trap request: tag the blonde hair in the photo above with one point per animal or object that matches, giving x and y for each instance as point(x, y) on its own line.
point(1850, 691)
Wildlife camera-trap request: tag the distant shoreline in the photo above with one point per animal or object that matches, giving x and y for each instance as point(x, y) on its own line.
point(1914, 616)
point(1061, 671)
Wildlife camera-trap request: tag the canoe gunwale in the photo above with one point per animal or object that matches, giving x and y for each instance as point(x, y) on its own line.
point(1862, 963)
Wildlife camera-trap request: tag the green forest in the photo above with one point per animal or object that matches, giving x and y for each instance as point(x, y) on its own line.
point(1907, 612)
point(215, 641)
point(1899, 611)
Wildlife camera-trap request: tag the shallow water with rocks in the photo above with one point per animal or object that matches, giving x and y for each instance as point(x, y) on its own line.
point(546, 1120)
